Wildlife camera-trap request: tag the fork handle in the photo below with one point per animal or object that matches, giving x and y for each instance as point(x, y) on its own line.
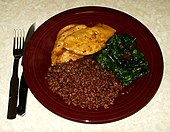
point(13, 93)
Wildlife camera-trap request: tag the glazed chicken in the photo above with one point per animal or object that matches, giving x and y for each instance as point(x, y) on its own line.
point(75, 41)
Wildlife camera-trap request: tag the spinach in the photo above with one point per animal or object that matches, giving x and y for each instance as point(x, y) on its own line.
point(120, 57)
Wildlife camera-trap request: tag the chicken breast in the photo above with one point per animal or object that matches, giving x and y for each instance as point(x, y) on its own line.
point(63, 33)
point(75, 41)
point(89, 40)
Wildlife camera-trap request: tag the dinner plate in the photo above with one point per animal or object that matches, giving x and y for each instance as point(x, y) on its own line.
point(132, 99)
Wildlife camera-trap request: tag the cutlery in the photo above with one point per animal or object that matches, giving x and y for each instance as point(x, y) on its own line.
point(23, 86)
point(17, 53)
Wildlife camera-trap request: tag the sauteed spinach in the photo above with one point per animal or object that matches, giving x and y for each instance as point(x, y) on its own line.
point(120, 57)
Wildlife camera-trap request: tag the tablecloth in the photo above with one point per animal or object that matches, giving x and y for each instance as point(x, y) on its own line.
point(154, 14)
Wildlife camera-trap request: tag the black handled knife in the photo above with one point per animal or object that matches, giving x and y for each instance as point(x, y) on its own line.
point(23, 85)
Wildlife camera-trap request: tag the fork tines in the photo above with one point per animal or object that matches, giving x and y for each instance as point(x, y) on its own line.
point(18, 39)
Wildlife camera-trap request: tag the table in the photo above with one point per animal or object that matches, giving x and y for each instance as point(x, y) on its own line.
point(154, 117)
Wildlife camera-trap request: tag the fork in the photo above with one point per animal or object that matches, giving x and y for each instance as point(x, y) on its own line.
point(17, 53)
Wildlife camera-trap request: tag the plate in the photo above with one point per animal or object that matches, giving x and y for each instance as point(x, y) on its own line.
point(131, 99)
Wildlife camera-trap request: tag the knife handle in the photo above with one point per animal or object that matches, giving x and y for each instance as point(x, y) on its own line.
point(13, 95)
point(22, 96)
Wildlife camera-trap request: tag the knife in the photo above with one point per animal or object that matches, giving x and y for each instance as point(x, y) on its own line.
point(23, 85)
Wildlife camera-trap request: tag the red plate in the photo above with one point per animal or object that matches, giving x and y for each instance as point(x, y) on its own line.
point(37, 60)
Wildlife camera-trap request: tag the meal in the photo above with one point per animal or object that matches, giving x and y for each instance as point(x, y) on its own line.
point(91, 65)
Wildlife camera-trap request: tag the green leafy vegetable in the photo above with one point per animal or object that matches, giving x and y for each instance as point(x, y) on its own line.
point(120, 57)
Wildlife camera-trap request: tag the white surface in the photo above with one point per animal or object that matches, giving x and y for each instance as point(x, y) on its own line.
point(154, 117)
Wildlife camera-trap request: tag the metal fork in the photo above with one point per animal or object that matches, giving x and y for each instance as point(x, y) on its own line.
point(17, 53)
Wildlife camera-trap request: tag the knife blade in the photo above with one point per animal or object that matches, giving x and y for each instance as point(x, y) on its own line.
point(23, 89)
